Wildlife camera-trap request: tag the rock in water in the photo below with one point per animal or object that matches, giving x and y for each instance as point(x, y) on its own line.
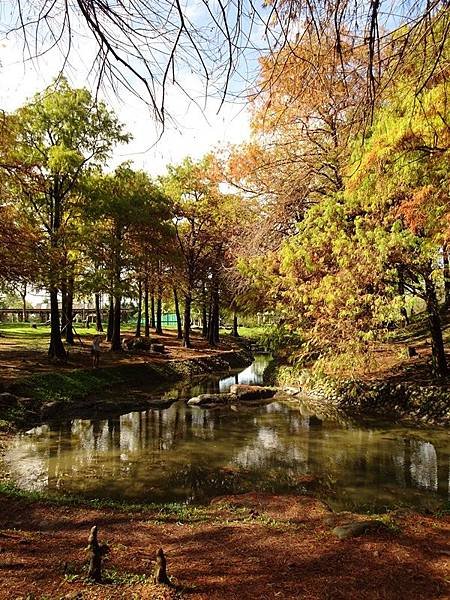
point(211, 399)
point(252, 392)
point(357, 528)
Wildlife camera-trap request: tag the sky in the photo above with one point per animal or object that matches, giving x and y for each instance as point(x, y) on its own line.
point(194, 130)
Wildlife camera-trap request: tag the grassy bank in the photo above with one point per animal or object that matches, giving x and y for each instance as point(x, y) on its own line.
point(43, 395)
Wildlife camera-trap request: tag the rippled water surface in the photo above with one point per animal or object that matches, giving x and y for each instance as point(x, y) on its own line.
point(191, 454)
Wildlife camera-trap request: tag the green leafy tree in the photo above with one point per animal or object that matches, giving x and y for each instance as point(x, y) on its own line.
point(343, 272)
point(57, 136)
point(126, 208)
point(205, 221)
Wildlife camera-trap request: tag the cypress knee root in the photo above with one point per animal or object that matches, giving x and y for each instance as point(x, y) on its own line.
point(97, 552)
point(160, 573)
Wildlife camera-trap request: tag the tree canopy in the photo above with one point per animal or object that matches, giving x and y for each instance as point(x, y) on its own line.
point(333, 216)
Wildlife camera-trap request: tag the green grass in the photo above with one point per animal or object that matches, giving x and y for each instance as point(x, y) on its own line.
point(251, 333)
point(79, 384)
point(444, 511)
point(22, 336)
point(164, 511)
point(111, 576)
point(27, 337)
point(158, 513)
point(68, 386)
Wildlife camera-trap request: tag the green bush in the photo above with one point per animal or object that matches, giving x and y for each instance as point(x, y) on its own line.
point(279, 338)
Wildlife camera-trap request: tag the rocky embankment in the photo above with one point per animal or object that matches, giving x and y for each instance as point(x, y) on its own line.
point(400, 400)
point(408, 400)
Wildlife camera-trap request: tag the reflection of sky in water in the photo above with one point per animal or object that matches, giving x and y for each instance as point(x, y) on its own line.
point(424, 466)
point(182, 453)
point(251, 375)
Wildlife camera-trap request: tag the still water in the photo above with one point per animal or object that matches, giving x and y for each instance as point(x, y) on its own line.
point(190, 454)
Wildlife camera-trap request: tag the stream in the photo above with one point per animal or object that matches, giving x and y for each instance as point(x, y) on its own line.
point(191, 454)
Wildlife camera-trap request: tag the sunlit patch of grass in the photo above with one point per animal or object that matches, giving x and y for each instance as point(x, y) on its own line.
point(109, 576)
point(122, 577)
point(23, 336)
point(68, 386)
point(173, 510)
point(252, 333)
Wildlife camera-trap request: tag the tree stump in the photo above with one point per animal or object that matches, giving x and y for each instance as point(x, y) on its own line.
point(160, 573)
point(97, 552)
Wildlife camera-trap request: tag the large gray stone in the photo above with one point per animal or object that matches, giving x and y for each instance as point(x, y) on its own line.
point(291, 391)
point(211, 399)
point(357, 528)
point(252, 392)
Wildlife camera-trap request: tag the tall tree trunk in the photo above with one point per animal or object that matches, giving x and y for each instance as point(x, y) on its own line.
point(235, 332)
point(98, 313)
point(204, 313)
point(204, 321)
point(56, 348)
point(401, 291)
point(115, 340)
point(63, 305)
point(69, 312)
point(187, 320)
point(109, 332)
point(153, 320)
point(210, 317)
point(440, 369)
point(213, 333)
point(23, 295)
point(217, 321)
point(178, 315)
point(146, 315)
point(116, 346)
point(446, 273)
point(159, 330)
point(139, 315)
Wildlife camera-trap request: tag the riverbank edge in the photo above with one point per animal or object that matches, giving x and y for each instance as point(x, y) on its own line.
point(44, 396)
point(402, 401)
point(10, 490)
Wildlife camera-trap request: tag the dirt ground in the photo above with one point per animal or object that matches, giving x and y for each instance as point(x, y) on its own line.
point(17, 359)
point(273, 547)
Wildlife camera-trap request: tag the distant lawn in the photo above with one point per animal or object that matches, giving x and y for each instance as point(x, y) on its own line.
point(22, 336)
point(252, 333)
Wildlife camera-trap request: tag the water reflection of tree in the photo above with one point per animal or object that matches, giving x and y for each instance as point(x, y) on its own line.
point(443, 469)
point(59, 453)
point(167, 453)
